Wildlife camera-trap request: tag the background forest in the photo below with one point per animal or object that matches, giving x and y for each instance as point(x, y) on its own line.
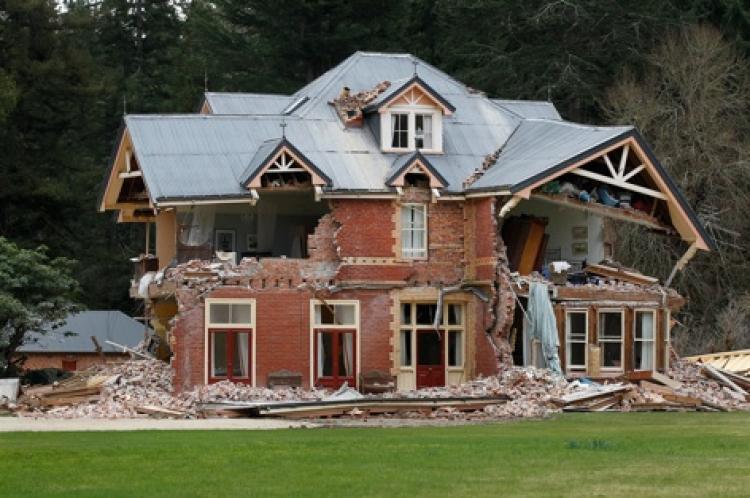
point(677, 69)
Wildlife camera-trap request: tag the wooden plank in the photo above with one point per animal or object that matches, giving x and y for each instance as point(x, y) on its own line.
point(723, 379)
point(663, 379)
point(656, 388)
point(628, 360)
point(619, 183)
point(683, 400)
point(620, 274)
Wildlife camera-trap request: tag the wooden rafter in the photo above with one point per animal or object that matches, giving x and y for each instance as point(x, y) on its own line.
point(618, 177)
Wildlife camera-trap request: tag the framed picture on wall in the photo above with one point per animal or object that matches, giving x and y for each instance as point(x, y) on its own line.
point(580, 232)
point(225, 241)
point(579, 249)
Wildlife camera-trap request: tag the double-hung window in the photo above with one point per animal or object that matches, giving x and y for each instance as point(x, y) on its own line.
point(644, 337)
point(335, 327)
point(423, 131)
point(414, 231)
point(576, 328)
point(610, 333)
point(400, 130)
point(229, 328)
point(410, 128)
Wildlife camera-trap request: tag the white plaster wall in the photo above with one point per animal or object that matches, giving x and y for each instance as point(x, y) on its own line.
point(560, 228)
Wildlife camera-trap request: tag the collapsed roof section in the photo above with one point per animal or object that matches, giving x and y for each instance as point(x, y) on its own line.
point(218, 155)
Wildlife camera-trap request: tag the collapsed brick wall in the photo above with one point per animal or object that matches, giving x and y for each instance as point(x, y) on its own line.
point(353, 255)
point(36, 361)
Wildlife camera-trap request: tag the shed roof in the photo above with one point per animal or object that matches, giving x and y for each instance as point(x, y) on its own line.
point(74, 336)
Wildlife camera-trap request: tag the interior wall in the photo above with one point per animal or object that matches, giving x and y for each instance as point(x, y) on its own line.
point(560, 229)
point(277, 224)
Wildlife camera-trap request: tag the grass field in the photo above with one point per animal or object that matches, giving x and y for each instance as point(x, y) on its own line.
point(647, 454)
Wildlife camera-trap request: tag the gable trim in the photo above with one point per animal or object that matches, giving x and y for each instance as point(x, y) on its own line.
point(114, 180)
point(318, 177)
point(446, 106)
point(420, 161)
point(657, 172)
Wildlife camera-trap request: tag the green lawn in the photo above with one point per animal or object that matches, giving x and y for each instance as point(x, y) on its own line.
point(654, 454)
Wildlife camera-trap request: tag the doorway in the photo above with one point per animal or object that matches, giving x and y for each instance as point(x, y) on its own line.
point(430, 358)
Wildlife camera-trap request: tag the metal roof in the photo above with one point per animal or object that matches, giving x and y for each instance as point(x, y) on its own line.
point(396, 88)
point(540, 145)
point(529, 109)
point(75, 334)
point(247, 103)
point(405, 161)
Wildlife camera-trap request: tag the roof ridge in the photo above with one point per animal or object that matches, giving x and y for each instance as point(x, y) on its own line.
point(238, 94)
point(573, 123)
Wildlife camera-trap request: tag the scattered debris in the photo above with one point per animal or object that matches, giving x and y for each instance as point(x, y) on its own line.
point(143, 388)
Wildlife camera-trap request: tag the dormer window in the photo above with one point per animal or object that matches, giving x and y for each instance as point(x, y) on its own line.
point(413, 128)
point(400, 129)
point(423, 131)
point(411, 117)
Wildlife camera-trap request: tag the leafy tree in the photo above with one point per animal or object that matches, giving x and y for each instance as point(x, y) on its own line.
point(36, 292)
point(692, 104)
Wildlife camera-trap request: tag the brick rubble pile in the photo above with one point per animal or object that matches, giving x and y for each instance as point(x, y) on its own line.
point(142, 388)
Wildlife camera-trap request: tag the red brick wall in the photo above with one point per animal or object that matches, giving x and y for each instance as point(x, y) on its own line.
point(282, 331)
point(35, 361)
point(460, 234)
point(366, 227)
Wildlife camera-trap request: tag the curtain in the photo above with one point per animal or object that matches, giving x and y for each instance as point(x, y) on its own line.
point(242, 343)
point(348, 354)
point(321, 354)
point(647, 344)
point(196, 225)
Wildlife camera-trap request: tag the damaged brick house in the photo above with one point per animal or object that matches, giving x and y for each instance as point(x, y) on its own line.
point(386, 220)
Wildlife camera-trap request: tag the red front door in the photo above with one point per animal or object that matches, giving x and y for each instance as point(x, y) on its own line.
point(335, 357)
point(430, 359)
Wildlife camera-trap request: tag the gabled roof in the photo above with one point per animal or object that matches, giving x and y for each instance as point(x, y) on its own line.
point(204, 157)
point(529, 109)
point(268, 151)
point(396, 90)
point(246, 103)
point(404, 163)
point(538, 146)
point(75, 334)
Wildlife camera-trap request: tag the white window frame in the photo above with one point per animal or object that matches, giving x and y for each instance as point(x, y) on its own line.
point(655, 317)
point(667, 337)
point(599, 339)
point(386, 136)
point(424, 253)
point(568, 341)
point(208, 324)
point(315, 326)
